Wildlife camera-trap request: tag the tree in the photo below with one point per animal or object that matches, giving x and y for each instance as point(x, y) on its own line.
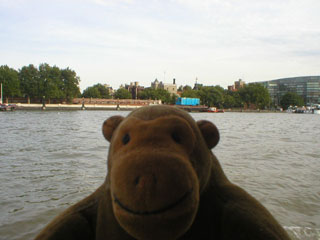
point(104, 92)
point(33, 82)
point(173, 99)
point(229, 101)
point(190, 93)
point(255, 93)
point(50, 81)
point(96, 91)
point(122, 93)
point(157, 94)
point(55, 89)
point(91, 92)
point(237, 99)
point(163, 95)
point(219, 88)
point(186, 88)
point(70, 85)
point(232, 99)
point(29, 81)
point(10, 82)
point(211, 96)
point(148, 93)
point(291, 98)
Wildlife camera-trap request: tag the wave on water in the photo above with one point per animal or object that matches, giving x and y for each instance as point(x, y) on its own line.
point(51, 161)
point(303, 233)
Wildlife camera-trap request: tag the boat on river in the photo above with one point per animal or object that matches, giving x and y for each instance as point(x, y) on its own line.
point(315, 109)
point(7, 107)
point(215, 110)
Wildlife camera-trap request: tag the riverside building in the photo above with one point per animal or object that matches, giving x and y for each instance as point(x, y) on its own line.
point(237, 85)
point(170, 87)
point(307, 87)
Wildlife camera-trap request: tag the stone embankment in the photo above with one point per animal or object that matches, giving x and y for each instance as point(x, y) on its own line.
point(21, 106)
point(89, 104)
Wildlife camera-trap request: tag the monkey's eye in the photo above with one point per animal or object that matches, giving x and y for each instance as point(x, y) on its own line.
point(126, 139)
point(176, 137)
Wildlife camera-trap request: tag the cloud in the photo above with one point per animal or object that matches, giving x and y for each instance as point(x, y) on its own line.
point(187, 38)
point(307, 53)
point(112, 2)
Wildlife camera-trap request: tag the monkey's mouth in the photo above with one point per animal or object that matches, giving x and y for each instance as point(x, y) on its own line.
point(157, 211)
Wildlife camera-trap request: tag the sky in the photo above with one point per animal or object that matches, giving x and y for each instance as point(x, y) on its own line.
point(213, 42)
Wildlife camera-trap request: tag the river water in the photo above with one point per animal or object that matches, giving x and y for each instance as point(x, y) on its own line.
point(50, 160)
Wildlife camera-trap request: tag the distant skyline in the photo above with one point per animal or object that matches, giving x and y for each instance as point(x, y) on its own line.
point(121, 41)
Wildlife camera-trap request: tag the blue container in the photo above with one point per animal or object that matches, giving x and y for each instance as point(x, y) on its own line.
point(188, 101)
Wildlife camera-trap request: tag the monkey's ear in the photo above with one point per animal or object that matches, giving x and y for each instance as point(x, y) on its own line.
point(209, 132)
point(110, 125)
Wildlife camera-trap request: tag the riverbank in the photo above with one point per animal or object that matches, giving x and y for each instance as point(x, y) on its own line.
point(110, 107)
point(21, 106)
point(123, 107)
point(253, 110)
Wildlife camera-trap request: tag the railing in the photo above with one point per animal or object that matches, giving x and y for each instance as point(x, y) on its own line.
point(114, 101)
point(99, 101)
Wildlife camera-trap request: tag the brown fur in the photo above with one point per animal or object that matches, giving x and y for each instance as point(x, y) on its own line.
point(163, 182)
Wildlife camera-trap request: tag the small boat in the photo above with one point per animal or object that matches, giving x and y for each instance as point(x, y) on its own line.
point(7, 107)
point(215, 110)
point(301, 110)
point(212, 109)
point(316, 109)
point(291, 109)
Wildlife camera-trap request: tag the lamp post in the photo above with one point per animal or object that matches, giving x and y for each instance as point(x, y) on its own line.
point(1, 95)
point(43, 102)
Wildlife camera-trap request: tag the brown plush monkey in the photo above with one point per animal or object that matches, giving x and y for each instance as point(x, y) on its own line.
point(164, 182)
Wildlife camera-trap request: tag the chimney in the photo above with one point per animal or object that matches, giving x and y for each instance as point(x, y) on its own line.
point(174, 81)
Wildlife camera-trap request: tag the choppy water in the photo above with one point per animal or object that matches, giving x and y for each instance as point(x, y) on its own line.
point(50, 160)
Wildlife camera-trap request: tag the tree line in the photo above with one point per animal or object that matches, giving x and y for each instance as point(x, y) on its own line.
point(50, 82)
point(100, 91)
point(252, 95)
point(44, 81)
